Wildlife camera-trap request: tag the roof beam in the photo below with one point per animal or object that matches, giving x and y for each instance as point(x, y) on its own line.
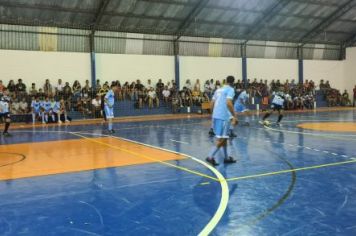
point(335, 15)
point(192, 14)
point(45, 7)
point(266, 17)
point(99, 14)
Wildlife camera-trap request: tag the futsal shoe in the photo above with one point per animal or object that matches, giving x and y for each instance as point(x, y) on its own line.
point(112, 131)
point(212, 161)
point(211, 133)
point(6, 134)
point(278, 124)
point(229, 160)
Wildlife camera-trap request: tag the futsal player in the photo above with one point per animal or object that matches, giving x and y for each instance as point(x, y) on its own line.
point(240, 105)
point(109, 106)
point(223, 116)
point(36, 109)
point(55, 110)
point(46, 110)
point(5, 114)
point(277, 105)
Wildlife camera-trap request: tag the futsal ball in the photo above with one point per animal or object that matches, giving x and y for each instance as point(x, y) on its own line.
point(266, 123)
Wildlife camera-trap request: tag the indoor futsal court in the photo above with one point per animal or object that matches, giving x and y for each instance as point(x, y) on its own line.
point(177, 117)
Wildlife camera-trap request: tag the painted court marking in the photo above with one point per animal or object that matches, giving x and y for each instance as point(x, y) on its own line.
point(220, 178)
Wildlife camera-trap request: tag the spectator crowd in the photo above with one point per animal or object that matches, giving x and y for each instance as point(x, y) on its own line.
point(89, 100)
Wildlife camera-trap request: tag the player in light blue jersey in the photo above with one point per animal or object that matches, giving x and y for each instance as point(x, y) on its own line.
point(55, 110)
point(5, 113)
point(109, 106)
point(223, 116)
point(36, 109)
point(277, 105)
point(46, 110)
point(240, 106)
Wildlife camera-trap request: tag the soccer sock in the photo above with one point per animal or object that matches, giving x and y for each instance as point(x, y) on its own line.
point(280, 118)
point(33, 117)
point(213, 152)
point(266, 116)
point(7, 125)
point(247, 119)
point(53, 118)
point(46, 118)
point(42, 115)
point(110, 124)
point(225, 152)
point(59, 117)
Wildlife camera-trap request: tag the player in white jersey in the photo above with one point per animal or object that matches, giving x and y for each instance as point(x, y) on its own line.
point(5, 113)
point(277, 105)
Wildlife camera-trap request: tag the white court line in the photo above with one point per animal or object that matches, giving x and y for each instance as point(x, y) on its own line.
point(223, 183)
point(175, 141)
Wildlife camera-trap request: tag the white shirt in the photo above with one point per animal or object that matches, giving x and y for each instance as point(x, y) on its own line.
point(166, 93)
point(96, 103)
point(59, 87)
point(152, 94)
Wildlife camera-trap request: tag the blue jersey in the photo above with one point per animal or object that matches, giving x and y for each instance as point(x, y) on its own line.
point(242, 98)
point(4, 107)
point(55, 106)
point(36, 105)
point(220, 98)
point(46, 105)
point(110, 97)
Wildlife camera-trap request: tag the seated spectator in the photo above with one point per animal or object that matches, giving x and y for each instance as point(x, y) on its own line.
point(159, 88)
point(166, 94)
point(2, 87)
point(23, 108)
point(345, 99)
point(96, 107)
point(77, 88)
point(197, 85)
point(188, 85)
point(15, 107)
point(33, 91)
point(47, 88)
point(152, 98)
point(41, 94)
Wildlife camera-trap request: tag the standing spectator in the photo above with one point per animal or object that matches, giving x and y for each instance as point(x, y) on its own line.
point(33, 90)
point(97, 86)
point(67, 93)
point(59, 88)
point(197, 85)
point(149, 84)
point(20, 88)
point(11, 87)
point(47, 88)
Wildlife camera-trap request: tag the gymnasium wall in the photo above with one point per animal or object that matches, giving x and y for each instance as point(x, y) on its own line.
point(37, 66)
point(269, 69)
point(333, 71)
point(124, 67)
point(350, 69)
point(206, 68)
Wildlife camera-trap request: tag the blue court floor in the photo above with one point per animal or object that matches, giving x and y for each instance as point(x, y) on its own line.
point(287, 181)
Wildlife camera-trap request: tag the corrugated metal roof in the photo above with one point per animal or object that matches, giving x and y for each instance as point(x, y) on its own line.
point(276, 20)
